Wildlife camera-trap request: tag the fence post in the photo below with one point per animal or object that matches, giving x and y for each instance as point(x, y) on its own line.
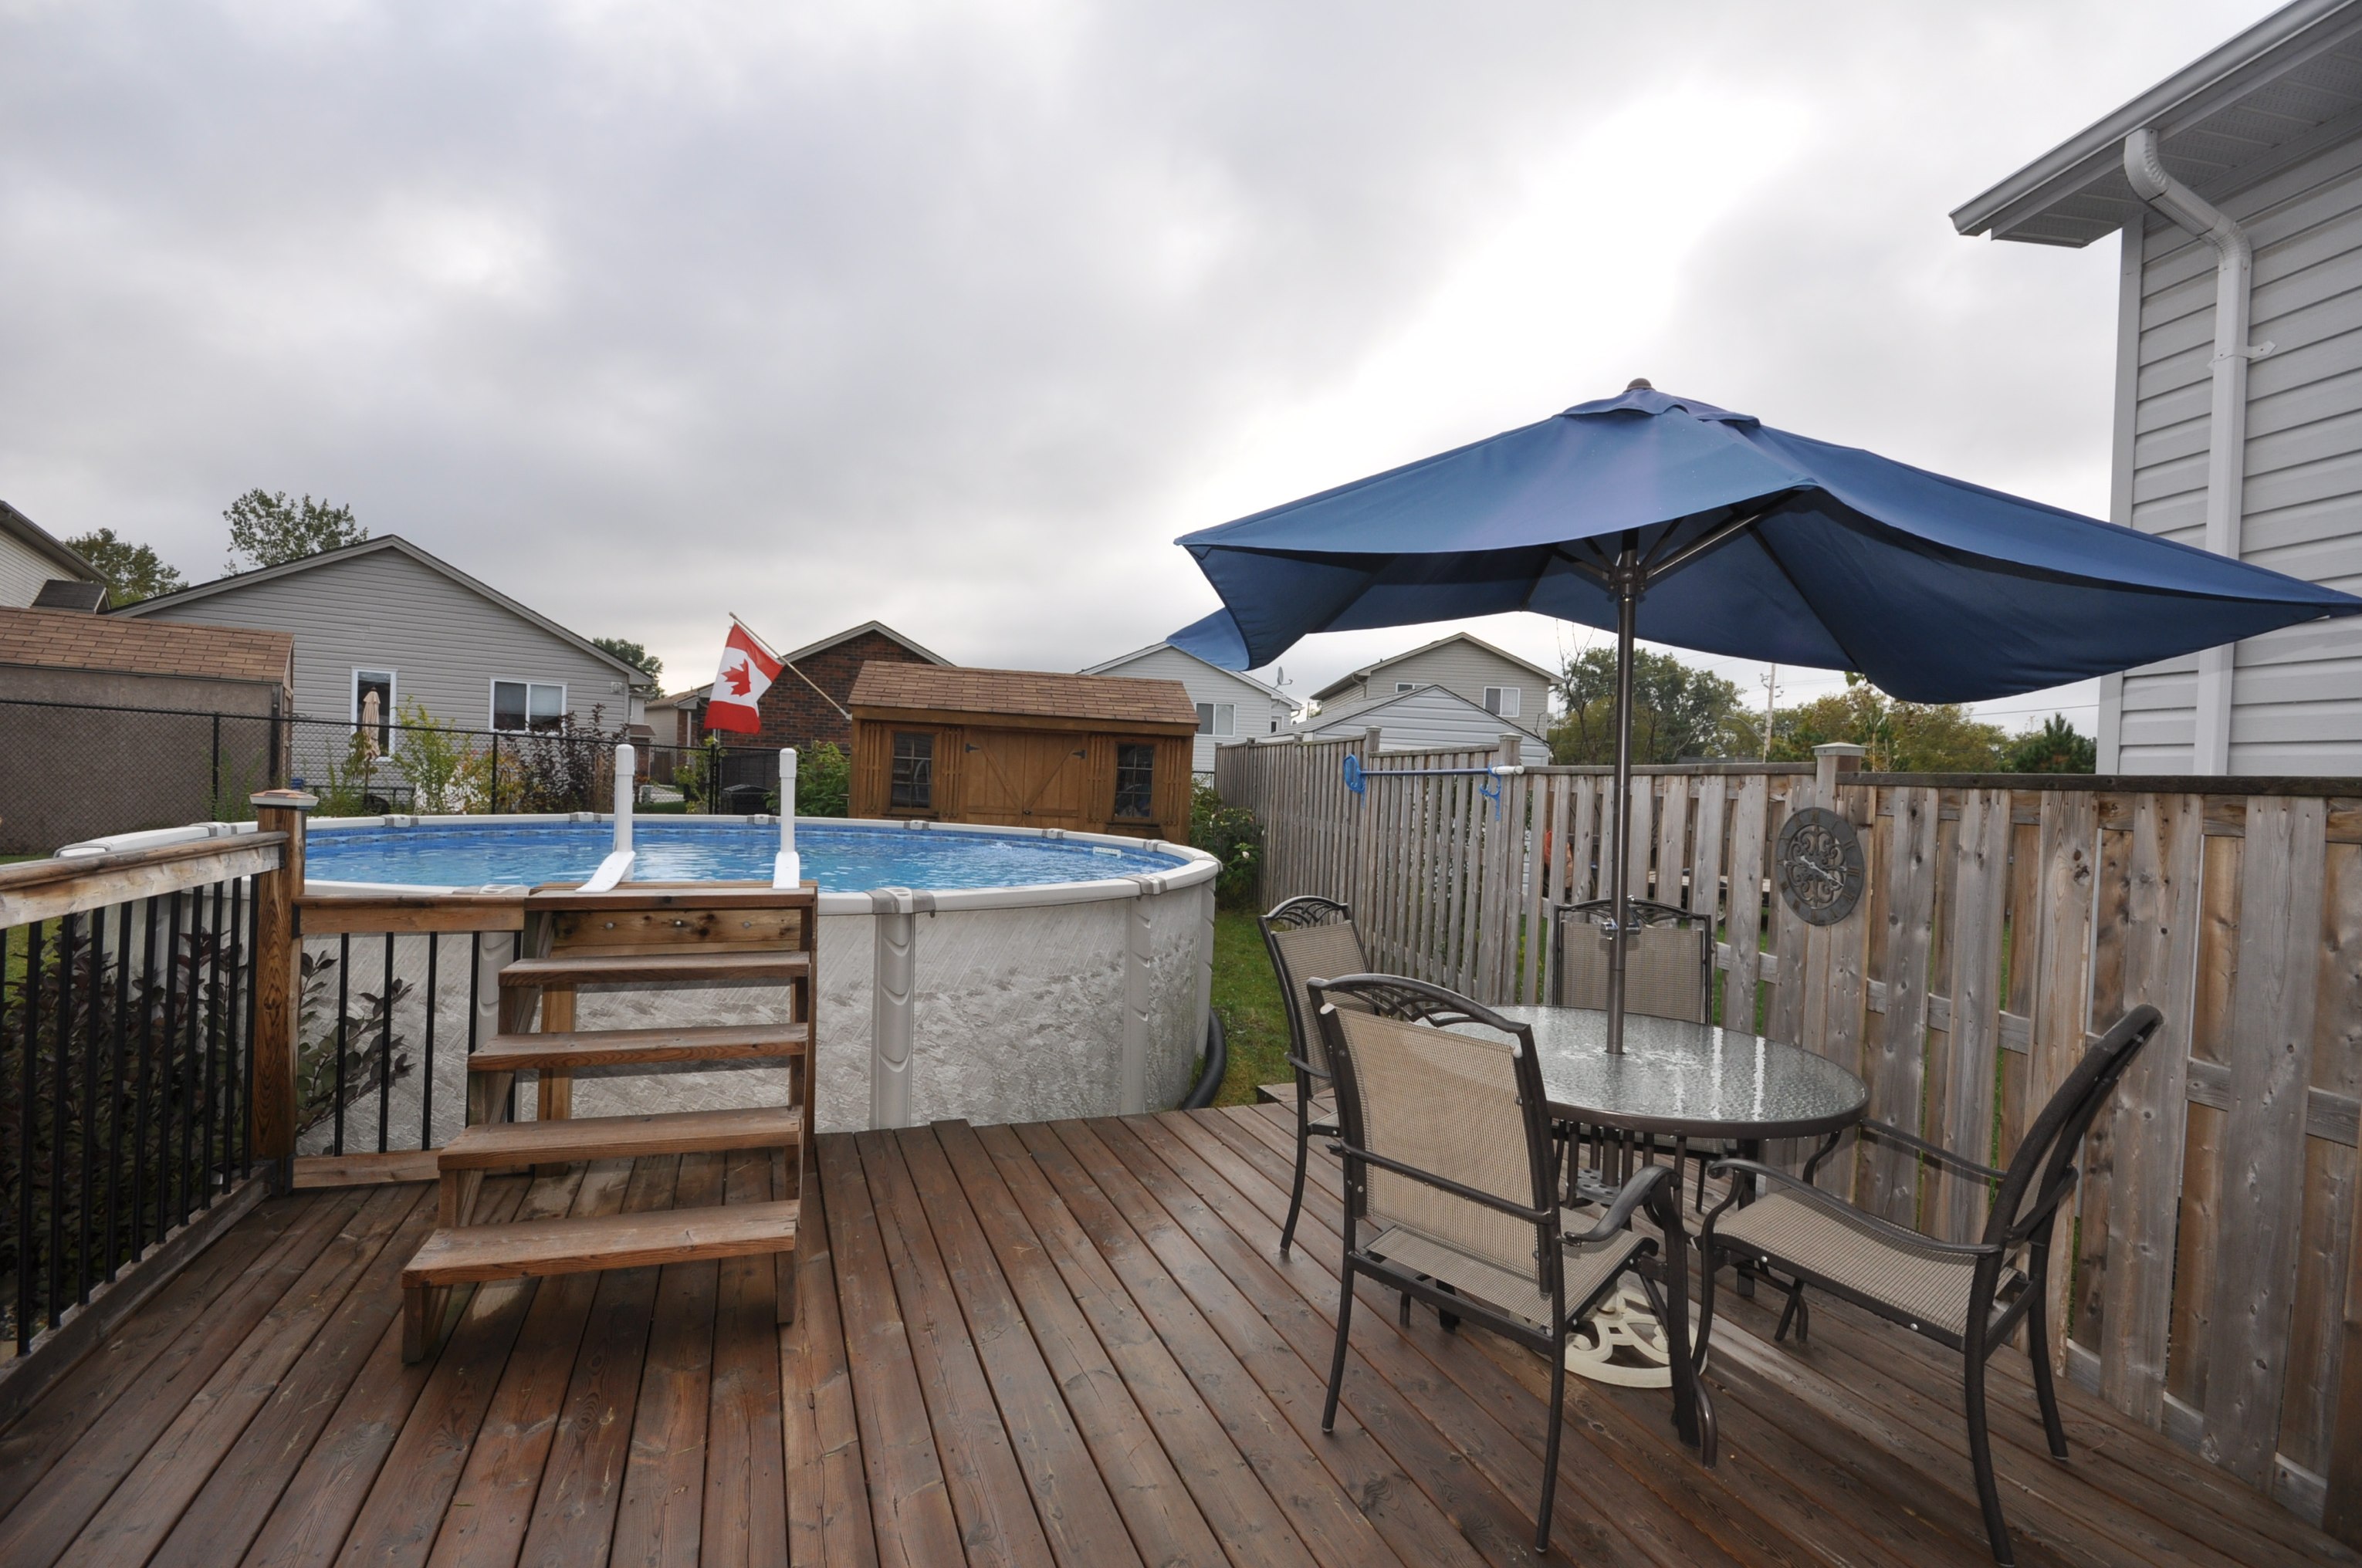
point(278, 981)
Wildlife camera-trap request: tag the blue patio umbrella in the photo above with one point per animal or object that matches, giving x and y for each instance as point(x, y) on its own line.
point(1672, 520)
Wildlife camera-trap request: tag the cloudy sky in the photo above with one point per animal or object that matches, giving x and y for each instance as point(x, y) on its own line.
point(957, 315)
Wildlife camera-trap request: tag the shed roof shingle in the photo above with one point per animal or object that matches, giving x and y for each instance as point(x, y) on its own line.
point(1122, 699)
point(68, 639)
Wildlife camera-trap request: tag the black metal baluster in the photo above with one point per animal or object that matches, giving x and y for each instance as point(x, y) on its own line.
point(30, 989)
point(93, 1020)
point(61, 1041)
point(385, 1046)
point(115, 1088)
point(147, 1087)
point(189, 1078)
point(249, 981)
point(164, 1071)
point(344, 975)
point(208, 1158)
point(427, 1089)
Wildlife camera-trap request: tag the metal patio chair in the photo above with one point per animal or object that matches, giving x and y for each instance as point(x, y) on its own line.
point(1310, 938)
point(1968, 1297)
point(1449, 1158)
point(1669, 974)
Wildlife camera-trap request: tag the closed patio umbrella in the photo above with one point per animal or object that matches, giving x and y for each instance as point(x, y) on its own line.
point(1672, 520)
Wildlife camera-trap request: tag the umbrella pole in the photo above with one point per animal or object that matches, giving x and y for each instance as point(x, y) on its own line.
point(1628, 577)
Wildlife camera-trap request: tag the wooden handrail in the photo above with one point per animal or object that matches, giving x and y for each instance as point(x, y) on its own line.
point(45, 890)
point(408, 914)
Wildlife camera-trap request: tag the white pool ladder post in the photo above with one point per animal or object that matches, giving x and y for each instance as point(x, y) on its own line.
point(618, 863)
point(787, 870)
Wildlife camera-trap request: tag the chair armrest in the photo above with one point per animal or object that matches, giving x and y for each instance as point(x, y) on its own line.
point(1885, 1230)
point(1306, 1068)
point(1886, 1132)
point(1629, 1198)
point(1443, 1183)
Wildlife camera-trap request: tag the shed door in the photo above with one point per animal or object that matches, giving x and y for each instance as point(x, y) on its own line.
point(1025, 778)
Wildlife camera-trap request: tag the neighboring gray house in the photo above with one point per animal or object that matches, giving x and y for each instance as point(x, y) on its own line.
point(30, 555)
point(2236, 188)
point(1426, 718)
point(1231, 707)
point(1495, 682)
point(384, 616)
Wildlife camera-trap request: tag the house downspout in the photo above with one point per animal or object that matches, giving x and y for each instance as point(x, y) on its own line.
point(2227, 441)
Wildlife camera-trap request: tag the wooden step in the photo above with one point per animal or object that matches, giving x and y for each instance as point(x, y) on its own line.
point(478, 1253)
point(495, 1145)
point(595, 1048)
point(651, 967)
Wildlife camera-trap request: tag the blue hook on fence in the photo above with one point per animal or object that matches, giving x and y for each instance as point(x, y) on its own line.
point(1491, 790)
point(1353, 780)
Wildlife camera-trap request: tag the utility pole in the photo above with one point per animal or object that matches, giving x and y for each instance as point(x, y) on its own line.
point(1771, 690)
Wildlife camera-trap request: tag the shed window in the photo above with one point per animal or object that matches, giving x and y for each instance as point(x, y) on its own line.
point(1135, 782)
point(528, 705)
point(373, 706)
point(1505, 701)
point(914, 771)
point(1217, 718)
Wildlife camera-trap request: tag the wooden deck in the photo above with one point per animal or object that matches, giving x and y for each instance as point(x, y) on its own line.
point(1067, 1344)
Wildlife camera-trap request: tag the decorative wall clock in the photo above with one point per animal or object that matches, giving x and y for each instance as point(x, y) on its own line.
point(1817, 863)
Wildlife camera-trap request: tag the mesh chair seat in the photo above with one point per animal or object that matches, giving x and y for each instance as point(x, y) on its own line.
point(1587, 1269)
point(1932, 1288)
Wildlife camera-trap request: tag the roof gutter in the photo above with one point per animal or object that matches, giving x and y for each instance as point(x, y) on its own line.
point(2227, 441)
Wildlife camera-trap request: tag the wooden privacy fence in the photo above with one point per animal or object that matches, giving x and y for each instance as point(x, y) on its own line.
point(2215, 1290)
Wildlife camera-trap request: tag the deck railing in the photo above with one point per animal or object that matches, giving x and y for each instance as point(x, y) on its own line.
point(128, 1020)
point(2216, 1287)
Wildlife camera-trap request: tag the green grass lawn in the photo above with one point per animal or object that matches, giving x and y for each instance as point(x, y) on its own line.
point(1246, 994)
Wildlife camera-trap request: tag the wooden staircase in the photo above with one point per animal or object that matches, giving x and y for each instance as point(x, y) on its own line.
point(638, 937)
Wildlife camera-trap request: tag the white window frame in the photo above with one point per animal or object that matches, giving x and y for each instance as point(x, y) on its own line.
point(1402, 686)
point(1218, 720)
point(392, 698)
point(1505, 702)
point(492, 702)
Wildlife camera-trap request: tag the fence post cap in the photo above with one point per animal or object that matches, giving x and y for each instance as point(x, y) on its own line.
point(1839, 749)
point(286, 799)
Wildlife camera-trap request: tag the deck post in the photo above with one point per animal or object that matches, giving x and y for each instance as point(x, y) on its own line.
point(278, 983)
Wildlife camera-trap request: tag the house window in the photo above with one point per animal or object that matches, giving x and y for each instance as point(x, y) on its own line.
point(1217, 718)
point(528, 705)
point(1504, 701)
point(1135, 782)
point(373, 706)
point(914, 771)
point(1401, 687)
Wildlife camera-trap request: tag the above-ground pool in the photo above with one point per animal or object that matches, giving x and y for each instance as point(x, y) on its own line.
point(990, 974)
point(842, 858)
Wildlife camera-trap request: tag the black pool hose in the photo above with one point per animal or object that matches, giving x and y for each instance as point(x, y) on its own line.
point(1218, 1062)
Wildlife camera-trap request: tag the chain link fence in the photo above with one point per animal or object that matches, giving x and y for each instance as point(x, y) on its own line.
point(70, 771)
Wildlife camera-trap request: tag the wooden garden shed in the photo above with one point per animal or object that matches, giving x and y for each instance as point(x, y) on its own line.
point(1023, 748)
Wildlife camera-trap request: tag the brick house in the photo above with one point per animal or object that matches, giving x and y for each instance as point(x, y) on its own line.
point(794, 713)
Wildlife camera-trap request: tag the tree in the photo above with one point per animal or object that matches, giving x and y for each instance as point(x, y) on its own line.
point(266, 529)
point(133, 571)
point(1678, 711)
point(2057, 747)
point(632, 653)
point(1898, 736)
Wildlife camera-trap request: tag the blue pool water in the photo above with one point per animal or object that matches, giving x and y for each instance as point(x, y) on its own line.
point(842, 860)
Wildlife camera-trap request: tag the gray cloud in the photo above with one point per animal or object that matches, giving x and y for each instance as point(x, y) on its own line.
point(955, 315)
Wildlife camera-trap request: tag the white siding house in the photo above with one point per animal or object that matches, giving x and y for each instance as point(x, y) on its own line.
point(1495, 682)
point(29, 557)
point(1231, 707)
point(1426, 718)
point(386, 616)
point(2268, 130)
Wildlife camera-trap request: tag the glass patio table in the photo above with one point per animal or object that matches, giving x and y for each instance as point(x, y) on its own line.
point(1681, 1081)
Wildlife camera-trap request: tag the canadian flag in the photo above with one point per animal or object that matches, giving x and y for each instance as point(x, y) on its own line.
point(747, 673)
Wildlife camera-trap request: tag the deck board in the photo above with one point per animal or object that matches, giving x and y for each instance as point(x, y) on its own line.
point(1071, 1344)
